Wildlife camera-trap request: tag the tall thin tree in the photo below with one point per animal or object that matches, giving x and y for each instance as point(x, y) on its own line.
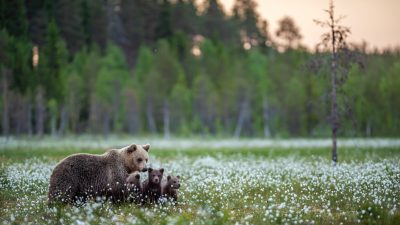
point(334, 40)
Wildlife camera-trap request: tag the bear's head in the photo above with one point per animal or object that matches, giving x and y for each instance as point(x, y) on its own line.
point(174, 182)
point(155, 176)
point(136, 157)
point(133, 181)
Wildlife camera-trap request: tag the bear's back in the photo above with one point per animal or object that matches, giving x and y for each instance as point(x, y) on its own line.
point(87, 175)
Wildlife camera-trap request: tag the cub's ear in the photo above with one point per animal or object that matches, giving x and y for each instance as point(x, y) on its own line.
point(137, 176)
point(162, 170)
point(131, 148)
point(149, 169)
point(146, 147)
point(179, 177)
point(169, 177)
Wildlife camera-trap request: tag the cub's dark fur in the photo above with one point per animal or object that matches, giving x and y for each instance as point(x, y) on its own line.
point(152, 186)
point(170, 187)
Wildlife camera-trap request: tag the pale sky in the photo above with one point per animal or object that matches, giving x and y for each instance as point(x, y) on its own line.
point(375, 21)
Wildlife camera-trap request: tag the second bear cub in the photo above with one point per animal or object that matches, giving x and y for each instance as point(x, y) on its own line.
point(152, 186)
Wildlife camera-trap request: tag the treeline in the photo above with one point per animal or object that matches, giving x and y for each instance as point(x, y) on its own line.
point(177, 68)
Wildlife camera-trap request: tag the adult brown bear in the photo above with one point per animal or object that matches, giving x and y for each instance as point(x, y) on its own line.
point(82, 176)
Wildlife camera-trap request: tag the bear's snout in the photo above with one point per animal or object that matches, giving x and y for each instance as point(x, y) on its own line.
point(156, 180)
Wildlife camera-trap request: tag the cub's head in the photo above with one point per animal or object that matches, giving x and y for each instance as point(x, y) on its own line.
point(174, 182)
point(155, 176)
point(133, 181)
point(136, 157)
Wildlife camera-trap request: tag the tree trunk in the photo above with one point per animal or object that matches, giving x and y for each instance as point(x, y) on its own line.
point(150, 118)
point(39, 112)
point(267, 132)
point(16, 118)
point(93, 114)
point(115, 108)
point(29, 116)
point(132, 112)
point(166, 119)
point(368, 130)
point(53, 125)
point(63, 120)
point(106, 123)
point(73, 105)
point(243, 114)
point(21, 116)
point(5, 115)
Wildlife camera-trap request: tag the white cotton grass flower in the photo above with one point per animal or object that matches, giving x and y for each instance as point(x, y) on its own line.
point(234, 189)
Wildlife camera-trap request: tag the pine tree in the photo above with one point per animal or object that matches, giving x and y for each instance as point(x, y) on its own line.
point(52, 60)
point(67, 14)
point(108, 89)
point(13, 17)
point(51, 75)
point(249, 22)
point(289, 32)
point(216, 25)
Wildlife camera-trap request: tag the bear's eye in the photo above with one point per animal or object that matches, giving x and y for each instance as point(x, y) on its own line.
point(140, 160)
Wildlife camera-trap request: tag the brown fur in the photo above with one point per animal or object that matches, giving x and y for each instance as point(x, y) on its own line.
point(152, 186)
point(134, 187)
point(83, 176)
point(170, 187)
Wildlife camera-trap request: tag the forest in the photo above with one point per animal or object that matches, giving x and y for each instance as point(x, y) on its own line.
point(182, 68)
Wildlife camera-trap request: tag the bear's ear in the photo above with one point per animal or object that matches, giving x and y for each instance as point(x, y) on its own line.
point(150, 169)
point(179, 177)
point(162, 170)
point(169, 177)
point(137, 176)
point(131, 148)
point(146, 147)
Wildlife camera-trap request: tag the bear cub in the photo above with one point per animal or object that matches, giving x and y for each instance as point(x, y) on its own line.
point(134, 187)
point(170, 188)
point(152, 186)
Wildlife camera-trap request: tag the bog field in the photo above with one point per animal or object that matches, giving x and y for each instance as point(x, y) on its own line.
point(223, 182)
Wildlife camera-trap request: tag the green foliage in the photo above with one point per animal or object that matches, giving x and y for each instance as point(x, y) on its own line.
point(13, 17)
point(167, 65)
point(16, 56)
point(52, 63)
point(139, 78)
point(181, 103)
point(249, 22)
point(144, 64)
point(112, 75)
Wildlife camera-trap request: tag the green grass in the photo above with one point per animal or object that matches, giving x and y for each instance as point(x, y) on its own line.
point(345, 154)
point(224, 186)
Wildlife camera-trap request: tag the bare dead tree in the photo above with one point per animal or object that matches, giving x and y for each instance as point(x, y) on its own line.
point(333, 40)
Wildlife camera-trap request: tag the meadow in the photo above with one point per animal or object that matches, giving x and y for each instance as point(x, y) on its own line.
point(223, 182)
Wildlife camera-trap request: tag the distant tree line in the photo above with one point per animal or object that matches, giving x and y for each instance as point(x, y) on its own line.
point(173, 67)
